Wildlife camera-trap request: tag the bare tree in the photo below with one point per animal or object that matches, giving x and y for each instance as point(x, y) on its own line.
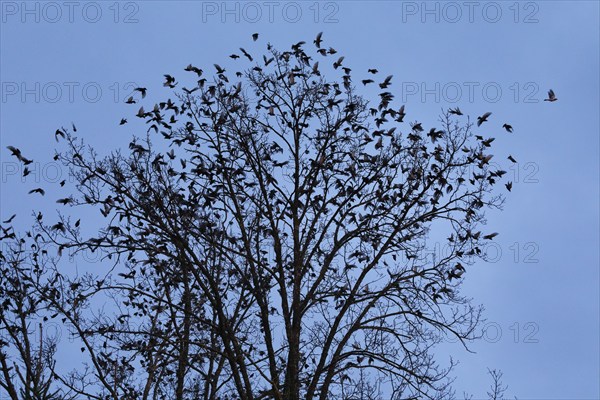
point(265, 238)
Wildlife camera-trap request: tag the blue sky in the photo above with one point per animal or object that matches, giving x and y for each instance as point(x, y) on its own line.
point(78, 61)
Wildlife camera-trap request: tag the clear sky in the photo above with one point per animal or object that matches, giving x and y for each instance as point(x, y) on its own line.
point(63, 62)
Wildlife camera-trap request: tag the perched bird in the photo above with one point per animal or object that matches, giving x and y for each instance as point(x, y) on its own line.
point(318, 40)
point(511, 158)
point(38, 190)
point(483, 118)
point(551, 96)
point(255, 37)
point(508, 186)
point(142, 90)
point(455, 111)
point(508, 128)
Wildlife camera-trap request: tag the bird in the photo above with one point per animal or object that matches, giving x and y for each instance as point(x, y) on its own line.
point(130, 100)
point(379, 143)
point(318, 40)
point(511, 158)
point(372, 70)
point(219, 69)
point(17, 153)
point(508, 186)
point(483, 118)
point(169, 81)
point(246, 54)
point(58, 227)
point(8, 221)
point(551, 96)
point(59, 133)
point(26, 171)
point(74, 127)
point(65, 201)
point(338, 63)
point(386, 82)
point(234, 56)
point(191, 68)
point(455, 111)
point(255, 37)
point(142, 90)
point(491, 236)
point(367, 81)
point(508, 128)
point(38, 190)
point(434, 134)
point(123, 121)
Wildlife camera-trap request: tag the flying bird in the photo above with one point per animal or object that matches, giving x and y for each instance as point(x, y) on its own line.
point(219, 69)
point(551, 96)
point(17, 153)
point(483, 118)
point(59, 133)
point(491, 236)
point(123, 121)
point(246, 54)
point(367, 81)
point(8, 221)
point(38, 190)
point(386, 82)
point(255, 37)
point(318, 40)
point(511, 158)
point(508, 186)
point(169, 81)
point(508, 128)
point(65, 201)
point(455, 111)
point(338, 63)
point(372, 70)
point(142, 90)
point(130, 100)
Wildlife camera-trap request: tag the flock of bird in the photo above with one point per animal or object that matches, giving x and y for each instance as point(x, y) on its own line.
point(171, 82)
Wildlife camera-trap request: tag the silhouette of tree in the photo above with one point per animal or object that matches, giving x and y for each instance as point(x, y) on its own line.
point(263, 240)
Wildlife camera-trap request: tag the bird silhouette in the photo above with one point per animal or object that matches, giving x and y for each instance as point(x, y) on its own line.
point(123, 121)
point(455, 111)
point(255, 37)
point(338, 63)
point(386, 82)
point(246, 54)
point(130, 100)
point(512, 159)
point(508, 186)
point(318, 40)
point(169, 81)
point(17, 153)
point(551, 96)
point(373, 71)
point(142, 90)
point(491, 236)
point(367, 81)
point(38, 190)
point(508, 128)
point(8, 221)
point(483, 118)
point(58, 133)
